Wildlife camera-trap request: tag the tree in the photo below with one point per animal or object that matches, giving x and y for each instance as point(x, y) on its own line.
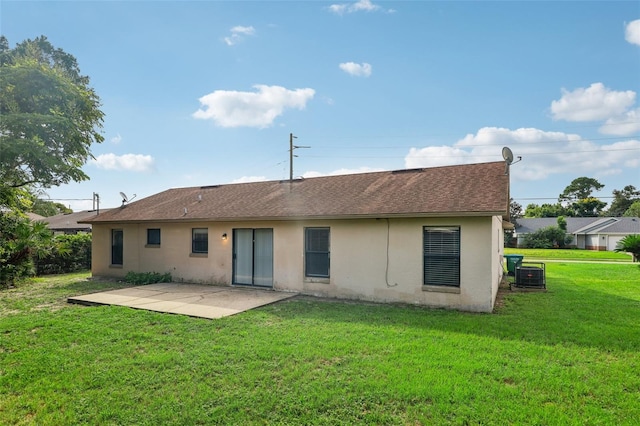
point(20, 240)
point(578, 196)
point(49, 118)
point(49, 208)
point(547, 210)
point(580, 188)
point(515, 210)
point(36, 204)
point(588, 207)
point(630, 244)
point(623, 199)
point(562, 223)
point(633, 210)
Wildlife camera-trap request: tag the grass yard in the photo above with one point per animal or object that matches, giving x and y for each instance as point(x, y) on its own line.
point(570, 254)
point(570, 356)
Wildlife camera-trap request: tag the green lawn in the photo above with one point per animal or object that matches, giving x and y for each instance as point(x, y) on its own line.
point(570, 254)
point(567, 356)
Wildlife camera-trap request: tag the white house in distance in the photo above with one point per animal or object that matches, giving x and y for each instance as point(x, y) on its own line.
point(590, 233)
point(430, 236)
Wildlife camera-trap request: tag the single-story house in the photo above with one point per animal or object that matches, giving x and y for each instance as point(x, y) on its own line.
point(68, 223)
point(34, 217)
point(431, 236)
point(590, 233)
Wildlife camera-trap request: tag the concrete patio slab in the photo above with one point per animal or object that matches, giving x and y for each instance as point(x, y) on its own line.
point(195, 300)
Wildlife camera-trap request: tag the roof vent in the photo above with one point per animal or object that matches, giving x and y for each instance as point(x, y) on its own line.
point(209, 187)
point(398, 172)
point(296, 179)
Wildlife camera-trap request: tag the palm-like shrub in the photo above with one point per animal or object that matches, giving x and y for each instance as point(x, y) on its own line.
point(630, 244)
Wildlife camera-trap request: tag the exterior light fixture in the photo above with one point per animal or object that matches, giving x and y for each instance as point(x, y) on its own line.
point(224, 236)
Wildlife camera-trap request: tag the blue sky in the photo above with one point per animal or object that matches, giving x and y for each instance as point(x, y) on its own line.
point(207, 92)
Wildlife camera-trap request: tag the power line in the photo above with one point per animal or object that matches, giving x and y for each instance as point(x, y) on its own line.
point(471, 155)
point(514, 143)
point(66, 199)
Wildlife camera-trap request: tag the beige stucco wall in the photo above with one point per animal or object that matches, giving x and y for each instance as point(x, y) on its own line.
point(361, 265)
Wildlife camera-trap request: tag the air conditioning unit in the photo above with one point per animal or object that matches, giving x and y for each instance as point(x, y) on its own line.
point(531, 275)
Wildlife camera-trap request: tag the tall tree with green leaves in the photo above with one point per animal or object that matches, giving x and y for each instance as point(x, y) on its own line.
point(547, 210)
point(623, 199)
point(578, 196)
point(515, 210)
point(49, 118)
point(633, 210)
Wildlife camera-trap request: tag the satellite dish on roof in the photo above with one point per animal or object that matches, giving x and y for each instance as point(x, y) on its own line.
point(506, 154)
point(126, 199)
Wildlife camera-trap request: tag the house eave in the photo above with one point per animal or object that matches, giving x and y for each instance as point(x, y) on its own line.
point(186, 218)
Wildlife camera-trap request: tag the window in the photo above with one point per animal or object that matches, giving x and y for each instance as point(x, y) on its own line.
point(117, 244)
point(153, 236)
point(316, 252)
point(200, 240)
point(442, 256)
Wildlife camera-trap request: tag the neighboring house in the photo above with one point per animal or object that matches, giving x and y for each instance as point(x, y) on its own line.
point(34, 217)
point(429, 236)
point(67, 223)
point(591, 233)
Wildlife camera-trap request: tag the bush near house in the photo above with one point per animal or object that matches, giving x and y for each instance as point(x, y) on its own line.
point(70, 253)
point(141, 278)
point(630, 244)
point(549, 237)
point(20, 241)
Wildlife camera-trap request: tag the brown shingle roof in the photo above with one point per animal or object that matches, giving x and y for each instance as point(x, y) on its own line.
point(472, 189)
point(71, 221)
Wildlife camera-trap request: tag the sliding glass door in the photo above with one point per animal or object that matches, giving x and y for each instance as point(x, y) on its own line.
point(253, 257)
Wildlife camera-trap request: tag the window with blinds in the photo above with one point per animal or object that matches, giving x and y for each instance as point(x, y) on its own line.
point(442, 256)
point(316, 254)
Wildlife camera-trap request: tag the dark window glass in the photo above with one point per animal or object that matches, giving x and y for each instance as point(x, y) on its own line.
point(117, 245)
point(153, 236)
point(200, 240)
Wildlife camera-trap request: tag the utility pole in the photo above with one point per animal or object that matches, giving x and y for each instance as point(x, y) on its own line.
point(291, 148)
point(96, 202)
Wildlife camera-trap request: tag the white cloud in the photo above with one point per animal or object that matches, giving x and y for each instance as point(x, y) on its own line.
point(126, 162)
point(591, 104)
point(230, 108)
point(116, 139)
point(358, 70)
point(544, 153)
point(312, 174)
point(632, 32)
point(359, 6)
point(434, 156)
point(238, 33)
point(623, 125)
point(245, 179)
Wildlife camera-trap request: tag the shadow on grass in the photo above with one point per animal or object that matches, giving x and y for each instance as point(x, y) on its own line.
point(594, 314)
point(567, 314)
point(84, 286)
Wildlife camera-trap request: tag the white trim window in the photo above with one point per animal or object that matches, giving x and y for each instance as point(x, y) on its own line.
point(442, 255)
